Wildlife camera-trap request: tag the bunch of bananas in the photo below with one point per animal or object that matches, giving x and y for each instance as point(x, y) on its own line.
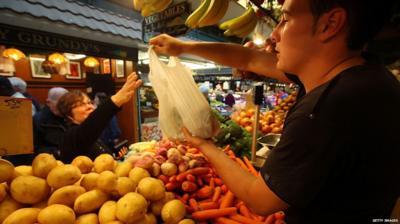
point(149, 7)
point(242, 25)
point(208, 13)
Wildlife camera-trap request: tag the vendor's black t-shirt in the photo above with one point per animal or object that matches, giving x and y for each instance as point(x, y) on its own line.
point(338, 160)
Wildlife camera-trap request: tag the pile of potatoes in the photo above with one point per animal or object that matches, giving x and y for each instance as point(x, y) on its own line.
point(84, 192)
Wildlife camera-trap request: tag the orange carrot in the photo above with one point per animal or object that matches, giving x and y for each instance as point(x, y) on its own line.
point(224, 188)
point(171, 186)
point(217, 194)
point(185, 198)
point(193, 150)
point(193, 204)
point(190, 177)
point(238, 203)
point(213, 213)
point(270, 219)
point(200, 182)
point(218, 181)
point(226, 149)
point(250, 166)
point(163, 178)
point(195, 171)
point(227, 200)
point(189, 186)
point(172, 178)
point(223, 220)
point(208, 205)
point(243, 219)
point(279, 215)
point(199, 170)
point(212, 184)
point(241, 163)
point(244, 211)
point(205, 192)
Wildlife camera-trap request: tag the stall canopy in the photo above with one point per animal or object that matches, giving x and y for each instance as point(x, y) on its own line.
point(72, 18)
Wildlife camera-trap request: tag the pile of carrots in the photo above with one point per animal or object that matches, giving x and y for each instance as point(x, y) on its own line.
point(208, 199)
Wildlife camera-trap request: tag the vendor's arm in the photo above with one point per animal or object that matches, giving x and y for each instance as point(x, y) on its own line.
point(233, 55)
point(250, 189)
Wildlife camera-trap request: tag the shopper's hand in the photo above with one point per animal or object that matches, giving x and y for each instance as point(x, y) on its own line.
point(128, 90)
point(167, 45)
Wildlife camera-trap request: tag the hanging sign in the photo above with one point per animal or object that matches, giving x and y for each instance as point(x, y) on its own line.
point(170, 21)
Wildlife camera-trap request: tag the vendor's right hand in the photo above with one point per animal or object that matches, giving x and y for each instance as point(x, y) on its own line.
point(167, 45)
point(269, 46)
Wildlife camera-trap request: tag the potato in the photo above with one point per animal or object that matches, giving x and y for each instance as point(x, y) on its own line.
point(137, 173)
point(66, 195)
point(125, 185)
point(43, 164)
point(122, 169)
point(8, 206)
point(187, 221)
point(115, 222)
point(90, 201)
point(173, 211)
point(29, 189)
point(60, 163)
point(3, 191)
point(84, 163)
point(63, 175)
point(6, 171)
point(107, 181)
point(131, 207)
point(56, 214)
point(151, 188)
point(89, 181)
point(23, 216)
point(107, 212)
point(156, 206)
point(90, 218)
point(147, 219)
point(104, 162)
point(23, 171)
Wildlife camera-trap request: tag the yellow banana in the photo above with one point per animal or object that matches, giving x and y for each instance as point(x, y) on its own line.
point(216, 10)
point(247, 29)
point(146, 10)
point(239, 21)
point(137, 4)
point(193, 19)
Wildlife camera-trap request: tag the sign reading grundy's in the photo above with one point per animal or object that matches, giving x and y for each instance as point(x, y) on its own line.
point(16, 36)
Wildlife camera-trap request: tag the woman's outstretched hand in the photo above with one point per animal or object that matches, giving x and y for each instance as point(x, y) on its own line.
point(128, 90)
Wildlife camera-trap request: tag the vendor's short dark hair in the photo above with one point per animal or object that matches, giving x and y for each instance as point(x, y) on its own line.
point(68, 101)
point(365, 18)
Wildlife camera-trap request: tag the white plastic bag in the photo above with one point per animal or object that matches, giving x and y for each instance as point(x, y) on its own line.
point(180, 101)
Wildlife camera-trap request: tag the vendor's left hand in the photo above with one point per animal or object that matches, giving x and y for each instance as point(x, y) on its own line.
point(195, 141)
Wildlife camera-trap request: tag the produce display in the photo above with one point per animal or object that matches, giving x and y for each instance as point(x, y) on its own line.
point(242, 25)
point(149, 7)
point(209, 12)
point(270, 121)
point(162, 182)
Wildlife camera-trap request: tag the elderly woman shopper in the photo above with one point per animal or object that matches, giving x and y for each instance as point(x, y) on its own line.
point(85, 124)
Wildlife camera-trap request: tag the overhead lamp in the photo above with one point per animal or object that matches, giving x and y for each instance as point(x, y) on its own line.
point(57, 58)
point(13, 53)
point(91, 62)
